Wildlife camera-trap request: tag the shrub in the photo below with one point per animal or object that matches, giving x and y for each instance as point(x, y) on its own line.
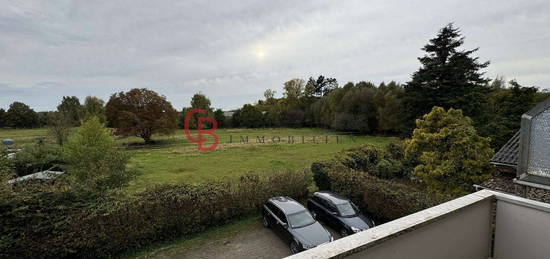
point(320, 174)
point(387, 163)
point(388, 168)
point(449, 155)
point(36, 158)
point(363, 158)
point(6, 172)
point(68, 225)
point(93, 159)
point(384, 199)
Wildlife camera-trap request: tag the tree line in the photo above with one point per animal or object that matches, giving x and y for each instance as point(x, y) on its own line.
point(449, 77)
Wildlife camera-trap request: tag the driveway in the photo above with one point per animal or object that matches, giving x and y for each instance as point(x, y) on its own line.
point(254, 241)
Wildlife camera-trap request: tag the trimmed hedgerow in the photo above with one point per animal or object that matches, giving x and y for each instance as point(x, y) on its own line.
point(385, 199)
point(385, 163)
point(61, 225)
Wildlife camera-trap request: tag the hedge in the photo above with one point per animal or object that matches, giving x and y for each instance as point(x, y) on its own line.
point(61, 225)
point(384, 199)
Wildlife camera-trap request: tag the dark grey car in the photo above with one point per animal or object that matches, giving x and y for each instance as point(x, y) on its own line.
point(294, 224)
point(338, 212)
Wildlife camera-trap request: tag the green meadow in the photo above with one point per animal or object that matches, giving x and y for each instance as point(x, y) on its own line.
point(174, 159)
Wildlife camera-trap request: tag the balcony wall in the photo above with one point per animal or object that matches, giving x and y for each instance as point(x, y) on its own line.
point(522, 228)
point(461, 228)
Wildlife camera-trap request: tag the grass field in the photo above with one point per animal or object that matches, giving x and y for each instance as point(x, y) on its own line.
point(173, 159)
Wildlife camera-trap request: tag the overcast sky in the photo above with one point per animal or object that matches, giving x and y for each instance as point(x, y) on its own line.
point(233, 50)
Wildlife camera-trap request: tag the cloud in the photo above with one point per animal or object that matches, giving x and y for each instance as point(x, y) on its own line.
point(55, 48)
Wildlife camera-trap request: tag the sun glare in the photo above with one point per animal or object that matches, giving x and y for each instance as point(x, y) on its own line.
point(260, 54)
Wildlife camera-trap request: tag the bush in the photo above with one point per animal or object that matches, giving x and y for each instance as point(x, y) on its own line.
point(363, 158)
point(66, 225)
point(6, 172)
point(449, 155)
point(384, 199)
point(388, 168)
point(387, 163)
point(93, 159)
point(38, 158)
point(320, 174)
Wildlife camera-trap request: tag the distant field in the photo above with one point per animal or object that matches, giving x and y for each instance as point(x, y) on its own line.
point(173, 159)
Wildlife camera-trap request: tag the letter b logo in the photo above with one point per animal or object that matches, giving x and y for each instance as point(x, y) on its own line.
point(199, 140)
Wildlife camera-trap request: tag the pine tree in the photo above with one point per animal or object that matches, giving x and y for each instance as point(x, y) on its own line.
point(448, 77)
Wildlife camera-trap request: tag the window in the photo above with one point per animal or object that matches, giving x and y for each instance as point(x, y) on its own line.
point(318, 200)
point(346, 209)
point(281, 215)
point(538, 162)
point(272, 207)
point(300, 219)
point(330, 207)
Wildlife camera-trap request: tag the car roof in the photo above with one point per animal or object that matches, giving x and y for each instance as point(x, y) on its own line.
point(287, 204)
point(332, 197)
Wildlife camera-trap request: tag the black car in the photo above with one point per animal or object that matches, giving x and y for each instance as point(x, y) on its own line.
point(338, 212)
point(294, 224)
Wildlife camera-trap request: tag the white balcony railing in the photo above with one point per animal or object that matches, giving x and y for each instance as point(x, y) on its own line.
point(482, 225)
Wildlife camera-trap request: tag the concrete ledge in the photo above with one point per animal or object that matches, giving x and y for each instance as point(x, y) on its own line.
point(374, 236)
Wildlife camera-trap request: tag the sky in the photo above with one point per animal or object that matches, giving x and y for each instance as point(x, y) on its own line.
point(232, 51)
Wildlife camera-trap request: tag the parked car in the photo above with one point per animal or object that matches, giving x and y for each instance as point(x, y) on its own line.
point(294, 224)
point(338, 212)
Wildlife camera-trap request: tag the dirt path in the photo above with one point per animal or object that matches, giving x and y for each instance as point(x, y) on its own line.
point(254, 241)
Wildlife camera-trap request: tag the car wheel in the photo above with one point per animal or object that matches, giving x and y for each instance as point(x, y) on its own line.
point(343, 233)
point(265, 222)
point(294, 248)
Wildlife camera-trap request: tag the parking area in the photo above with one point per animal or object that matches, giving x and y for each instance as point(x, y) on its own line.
point(254, 241)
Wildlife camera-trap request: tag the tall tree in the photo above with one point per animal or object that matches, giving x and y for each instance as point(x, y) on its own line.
point(506, 105)
point(2, 118)
point(20, 115)
point(220, 118)
point(449, 77)
point(250, 117)
point(389, 107)
point(199, 101)
point(93, 107)
point(269, 95)
point(70, 108)
point(356, 111)
point(320, 86)
point(59, 127)
point(141, 113)
point(294, 89)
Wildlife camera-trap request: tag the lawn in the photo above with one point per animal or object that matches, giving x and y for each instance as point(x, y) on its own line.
point(173, 159)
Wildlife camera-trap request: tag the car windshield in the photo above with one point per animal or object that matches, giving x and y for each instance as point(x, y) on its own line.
point(300, 219)
point(346, 209)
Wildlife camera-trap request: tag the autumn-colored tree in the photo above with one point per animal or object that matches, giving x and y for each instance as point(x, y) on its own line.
point(449, 155)
point(141, 112)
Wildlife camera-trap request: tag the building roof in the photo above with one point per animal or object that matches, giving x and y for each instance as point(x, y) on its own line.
point(539, 108)
point(509, 153)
